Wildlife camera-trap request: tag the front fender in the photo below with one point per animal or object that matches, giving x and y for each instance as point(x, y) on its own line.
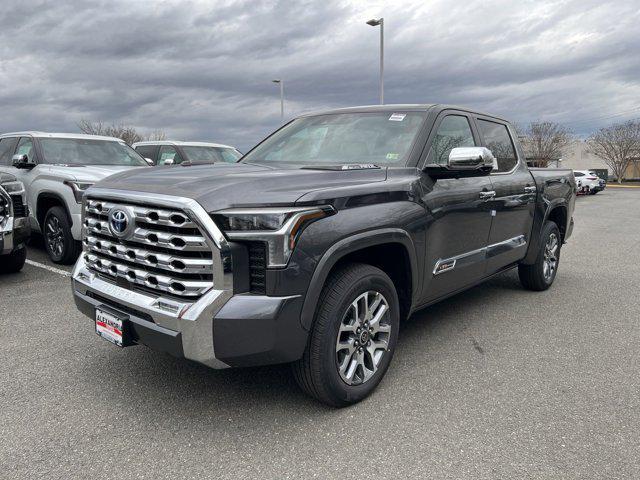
point(349, 245)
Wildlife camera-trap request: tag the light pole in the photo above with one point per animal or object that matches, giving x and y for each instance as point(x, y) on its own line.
point(374, 23)
point(281, 97)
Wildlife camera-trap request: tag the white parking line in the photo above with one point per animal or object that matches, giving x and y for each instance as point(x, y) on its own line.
point(47, 267)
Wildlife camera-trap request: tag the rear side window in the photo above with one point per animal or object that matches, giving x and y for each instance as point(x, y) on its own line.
point(497, 139)
point(454, 131)
point(578, 174)
point(7, 146)
point(147, 151)
point(170, 154)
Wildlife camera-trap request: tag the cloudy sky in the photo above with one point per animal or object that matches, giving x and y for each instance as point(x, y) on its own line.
point(203, 70)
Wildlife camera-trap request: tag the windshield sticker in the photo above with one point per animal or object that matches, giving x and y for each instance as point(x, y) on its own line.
point(397, 117)
point(393, 156)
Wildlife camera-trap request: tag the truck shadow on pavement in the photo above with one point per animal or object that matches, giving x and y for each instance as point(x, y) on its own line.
point(149, 382)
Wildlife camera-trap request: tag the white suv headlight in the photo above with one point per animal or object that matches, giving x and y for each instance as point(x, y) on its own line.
point(79, 189)
point(279, 227)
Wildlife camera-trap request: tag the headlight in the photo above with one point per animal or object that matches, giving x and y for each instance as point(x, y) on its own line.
point(13, 187)
point(79, 188)
point(279, 227)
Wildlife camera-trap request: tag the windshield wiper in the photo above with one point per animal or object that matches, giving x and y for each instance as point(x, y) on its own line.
point(348, 166)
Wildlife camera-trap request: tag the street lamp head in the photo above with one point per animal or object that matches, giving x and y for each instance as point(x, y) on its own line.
point(276, 81)
point(375, 22)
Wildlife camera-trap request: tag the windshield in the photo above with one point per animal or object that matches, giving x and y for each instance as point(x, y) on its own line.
point(381, 138)
point(211, 154)
point(81, 151)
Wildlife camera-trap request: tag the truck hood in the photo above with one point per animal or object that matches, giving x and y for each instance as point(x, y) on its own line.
point(220, 186)
point(87, 173)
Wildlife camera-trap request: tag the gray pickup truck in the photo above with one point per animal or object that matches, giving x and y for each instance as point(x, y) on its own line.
point(319, 241)
point(14, 224)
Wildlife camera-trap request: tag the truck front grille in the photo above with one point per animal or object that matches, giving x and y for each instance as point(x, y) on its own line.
point(19, 208)
point(164, 252)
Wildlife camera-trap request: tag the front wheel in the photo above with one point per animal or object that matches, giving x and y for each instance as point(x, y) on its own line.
point(541, 274)
point(353, 337)
point(58, 241)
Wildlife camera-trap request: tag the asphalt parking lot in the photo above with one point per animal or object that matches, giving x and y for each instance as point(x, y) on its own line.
point(496, 382)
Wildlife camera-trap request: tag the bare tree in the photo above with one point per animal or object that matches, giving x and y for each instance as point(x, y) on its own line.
point(544, 142)
point(129, 134)
point(617, 145)
point(157, 135)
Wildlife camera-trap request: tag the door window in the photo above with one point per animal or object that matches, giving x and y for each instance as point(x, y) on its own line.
point(25, 147)
point(7, 146)
point(497, 139)
point(147, 151)
point(454, 131)
point(168, 153)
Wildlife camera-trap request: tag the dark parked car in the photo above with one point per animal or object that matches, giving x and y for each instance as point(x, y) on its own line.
point(14, 224)
point(320, 241)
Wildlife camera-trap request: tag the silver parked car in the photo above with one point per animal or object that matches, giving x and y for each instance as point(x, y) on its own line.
point(56, 170)
point(165, 152)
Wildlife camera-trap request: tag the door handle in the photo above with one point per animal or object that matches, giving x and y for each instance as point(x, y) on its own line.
point(530, 189)
point(486, 195)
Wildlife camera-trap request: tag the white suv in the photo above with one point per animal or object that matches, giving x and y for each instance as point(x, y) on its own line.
point(196, 153)
point(588, 181)
point(56, 169)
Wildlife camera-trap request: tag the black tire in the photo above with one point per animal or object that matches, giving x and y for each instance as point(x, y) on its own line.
point(14, 261)
point(317, 371)
point(58, 241)
point(532, 277)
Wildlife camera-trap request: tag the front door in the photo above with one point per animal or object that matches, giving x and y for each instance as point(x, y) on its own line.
point(459, 220)
point(514, 202)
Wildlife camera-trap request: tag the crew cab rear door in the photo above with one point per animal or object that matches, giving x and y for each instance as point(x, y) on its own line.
point(513, 205)
point(458, 218)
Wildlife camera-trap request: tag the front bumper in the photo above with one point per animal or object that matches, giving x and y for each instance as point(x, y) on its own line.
point(220, 330)
point(13, 234)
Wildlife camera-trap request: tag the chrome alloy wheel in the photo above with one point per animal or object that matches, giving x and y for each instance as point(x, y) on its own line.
point(550, 263)
point(54, 236)
point(363, 338)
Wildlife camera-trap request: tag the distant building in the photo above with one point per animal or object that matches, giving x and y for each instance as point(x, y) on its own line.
point(577, 157)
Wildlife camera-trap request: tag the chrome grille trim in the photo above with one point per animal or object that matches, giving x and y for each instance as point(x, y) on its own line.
point(179, 287)
point(167, 251)
point(146, 257)
point(156, 216)
point(148, 236)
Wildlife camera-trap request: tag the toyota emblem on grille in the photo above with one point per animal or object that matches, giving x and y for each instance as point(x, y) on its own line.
point(119, 222)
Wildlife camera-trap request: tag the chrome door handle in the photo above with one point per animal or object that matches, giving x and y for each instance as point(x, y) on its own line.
point(487, 195)
point(529, 189)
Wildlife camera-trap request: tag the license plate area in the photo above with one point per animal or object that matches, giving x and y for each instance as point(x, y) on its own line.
point(112, 326)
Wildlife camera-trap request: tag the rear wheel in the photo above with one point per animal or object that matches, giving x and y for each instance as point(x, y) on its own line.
point(353, 337)
point(541, 274)
point(14, 261)
point(58, 241)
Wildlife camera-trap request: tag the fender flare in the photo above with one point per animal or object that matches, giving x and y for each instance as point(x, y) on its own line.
point(349, 245)
point(535, 240)
point(54, 196)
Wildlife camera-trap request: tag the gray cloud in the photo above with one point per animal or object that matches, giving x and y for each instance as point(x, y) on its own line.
point(202, 70)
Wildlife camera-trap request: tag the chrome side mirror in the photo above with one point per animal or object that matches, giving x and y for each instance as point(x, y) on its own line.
point(149, 161)
point(471, 158)
point(22, 161)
